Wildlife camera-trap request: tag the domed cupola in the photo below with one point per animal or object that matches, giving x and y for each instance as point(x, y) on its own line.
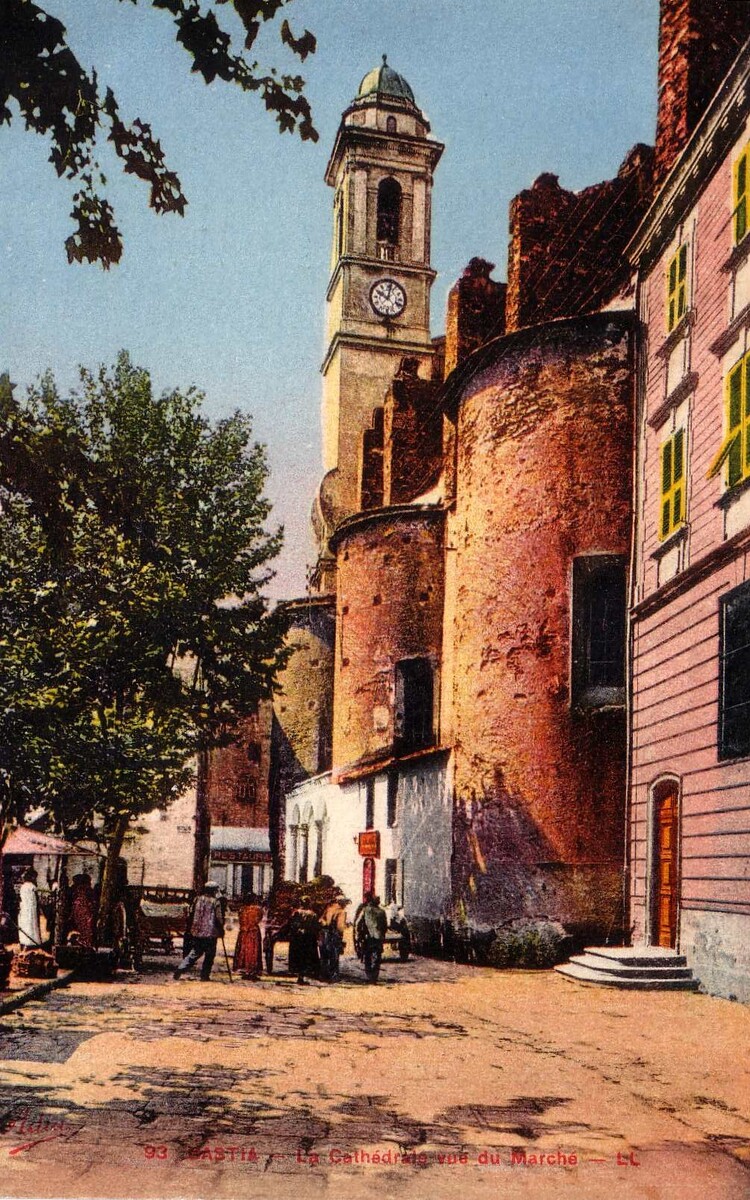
point(385, 83)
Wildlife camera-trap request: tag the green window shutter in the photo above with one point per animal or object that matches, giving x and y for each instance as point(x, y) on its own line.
point(677, 507)
point(672, 275)
point(734, 462)
point(682, 263)
point(679, 439)
point(740, 199)
point(735, 398)
point(666, 467)
point(747, 450)
point(665, 517)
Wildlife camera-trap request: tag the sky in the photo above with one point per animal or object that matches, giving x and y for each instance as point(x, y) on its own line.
point(230, 298)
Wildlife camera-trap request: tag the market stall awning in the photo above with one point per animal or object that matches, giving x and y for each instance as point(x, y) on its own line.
point(31, 841)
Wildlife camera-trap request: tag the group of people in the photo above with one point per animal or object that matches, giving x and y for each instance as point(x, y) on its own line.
point(69, 915)
point(316, 941)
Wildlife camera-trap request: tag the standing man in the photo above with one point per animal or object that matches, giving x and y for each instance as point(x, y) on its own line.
point(206, 925)
point(375, 921)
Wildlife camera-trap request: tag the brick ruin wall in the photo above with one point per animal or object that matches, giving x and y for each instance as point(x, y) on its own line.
point(698, 41)
point(544, 474)
point(237, 786)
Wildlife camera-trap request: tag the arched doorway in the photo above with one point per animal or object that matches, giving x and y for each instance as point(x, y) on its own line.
point(368, 877)
point(665, 864)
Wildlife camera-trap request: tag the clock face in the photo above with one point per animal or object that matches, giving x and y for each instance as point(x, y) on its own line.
point(388, 298)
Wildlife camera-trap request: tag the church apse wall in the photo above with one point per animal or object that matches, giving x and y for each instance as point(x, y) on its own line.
point(390, 610)
point(535, 621)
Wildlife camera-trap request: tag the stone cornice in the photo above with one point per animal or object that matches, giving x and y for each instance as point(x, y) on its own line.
point(372, 516)
point(692, 575)
point(385, 345)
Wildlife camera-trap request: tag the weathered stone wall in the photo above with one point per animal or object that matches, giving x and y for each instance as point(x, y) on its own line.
point(476, 312)
point(543, 475)
point(389, 607)
point(303, 708)
point(698, 41)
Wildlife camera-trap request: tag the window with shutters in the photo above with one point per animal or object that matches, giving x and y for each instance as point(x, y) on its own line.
point(677, 287)
point(734, 452)
point(741, 195)
point(598, 651)
point(672, 510)
point(734, 678)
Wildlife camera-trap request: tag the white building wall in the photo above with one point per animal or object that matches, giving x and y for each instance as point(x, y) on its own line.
point(420, 840)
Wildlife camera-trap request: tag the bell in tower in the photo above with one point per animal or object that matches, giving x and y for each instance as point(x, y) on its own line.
point(378, 299)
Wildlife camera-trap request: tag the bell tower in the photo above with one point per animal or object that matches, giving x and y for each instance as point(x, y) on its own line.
point(378, 299)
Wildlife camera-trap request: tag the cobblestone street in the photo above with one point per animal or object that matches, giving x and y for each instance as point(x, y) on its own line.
point(442, 1079)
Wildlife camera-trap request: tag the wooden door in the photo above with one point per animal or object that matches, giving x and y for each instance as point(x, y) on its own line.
point(666, 882)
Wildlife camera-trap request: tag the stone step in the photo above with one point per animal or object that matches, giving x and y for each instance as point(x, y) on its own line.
point(630, 970)
point(632, 982)
point(638, 956)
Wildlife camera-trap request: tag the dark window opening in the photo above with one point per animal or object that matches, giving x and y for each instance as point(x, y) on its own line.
point(370, 804)
point(598, 630)
point(734, 679)
point(390, 125)
point(253, 752)
point(390, 877)
point(392, 798)
point(389, 211)
point(414, 704)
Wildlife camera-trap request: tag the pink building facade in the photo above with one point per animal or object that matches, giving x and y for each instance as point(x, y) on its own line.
point(689, 790)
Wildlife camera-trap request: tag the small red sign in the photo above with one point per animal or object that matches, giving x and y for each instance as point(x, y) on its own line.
point(369, 843)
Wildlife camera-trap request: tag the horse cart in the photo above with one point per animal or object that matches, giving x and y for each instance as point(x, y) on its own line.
point(155, 917)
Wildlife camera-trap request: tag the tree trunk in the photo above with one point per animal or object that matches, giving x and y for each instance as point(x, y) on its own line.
point(202, 824)
point(108, 895)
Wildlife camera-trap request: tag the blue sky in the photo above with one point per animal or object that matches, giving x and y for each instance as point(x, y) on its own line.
point(230, 298)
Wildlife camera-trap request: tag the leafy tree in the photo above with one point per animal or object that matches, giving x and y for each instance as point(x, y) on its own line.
point(135, 634)
point(57, 96)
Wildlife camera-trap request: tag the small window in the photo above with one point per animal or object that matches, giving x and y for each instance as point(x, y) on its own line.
point(247, 791)
point(677, 287)
point(735, 449)
point(253, 752)
point(370, 804)
point(672, 484)
point(740, 195)
point(392, 798)
point(389, 211)
point(734, 683)
point(598, 658)
point(414, 724)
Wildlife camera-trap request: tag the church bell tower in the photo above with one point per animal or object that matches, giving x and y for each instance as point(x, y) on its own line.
point(378, 299)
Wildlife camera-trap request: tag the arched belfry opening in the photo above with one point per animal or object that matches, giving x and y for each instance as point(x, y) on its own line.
point(389, 212)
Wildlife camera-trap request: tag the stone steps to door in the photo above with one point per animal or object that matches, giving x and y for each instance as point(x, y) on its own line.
point(646, 968)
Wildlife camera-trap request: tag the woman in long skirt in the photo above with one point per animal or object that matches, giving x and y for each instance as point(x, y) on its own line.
point(29, 933)
point(248, 954)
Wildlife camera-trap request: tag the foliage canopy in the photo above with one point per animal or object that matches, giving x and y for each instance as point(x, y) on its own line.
point(133, 628)
point(57, 96)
